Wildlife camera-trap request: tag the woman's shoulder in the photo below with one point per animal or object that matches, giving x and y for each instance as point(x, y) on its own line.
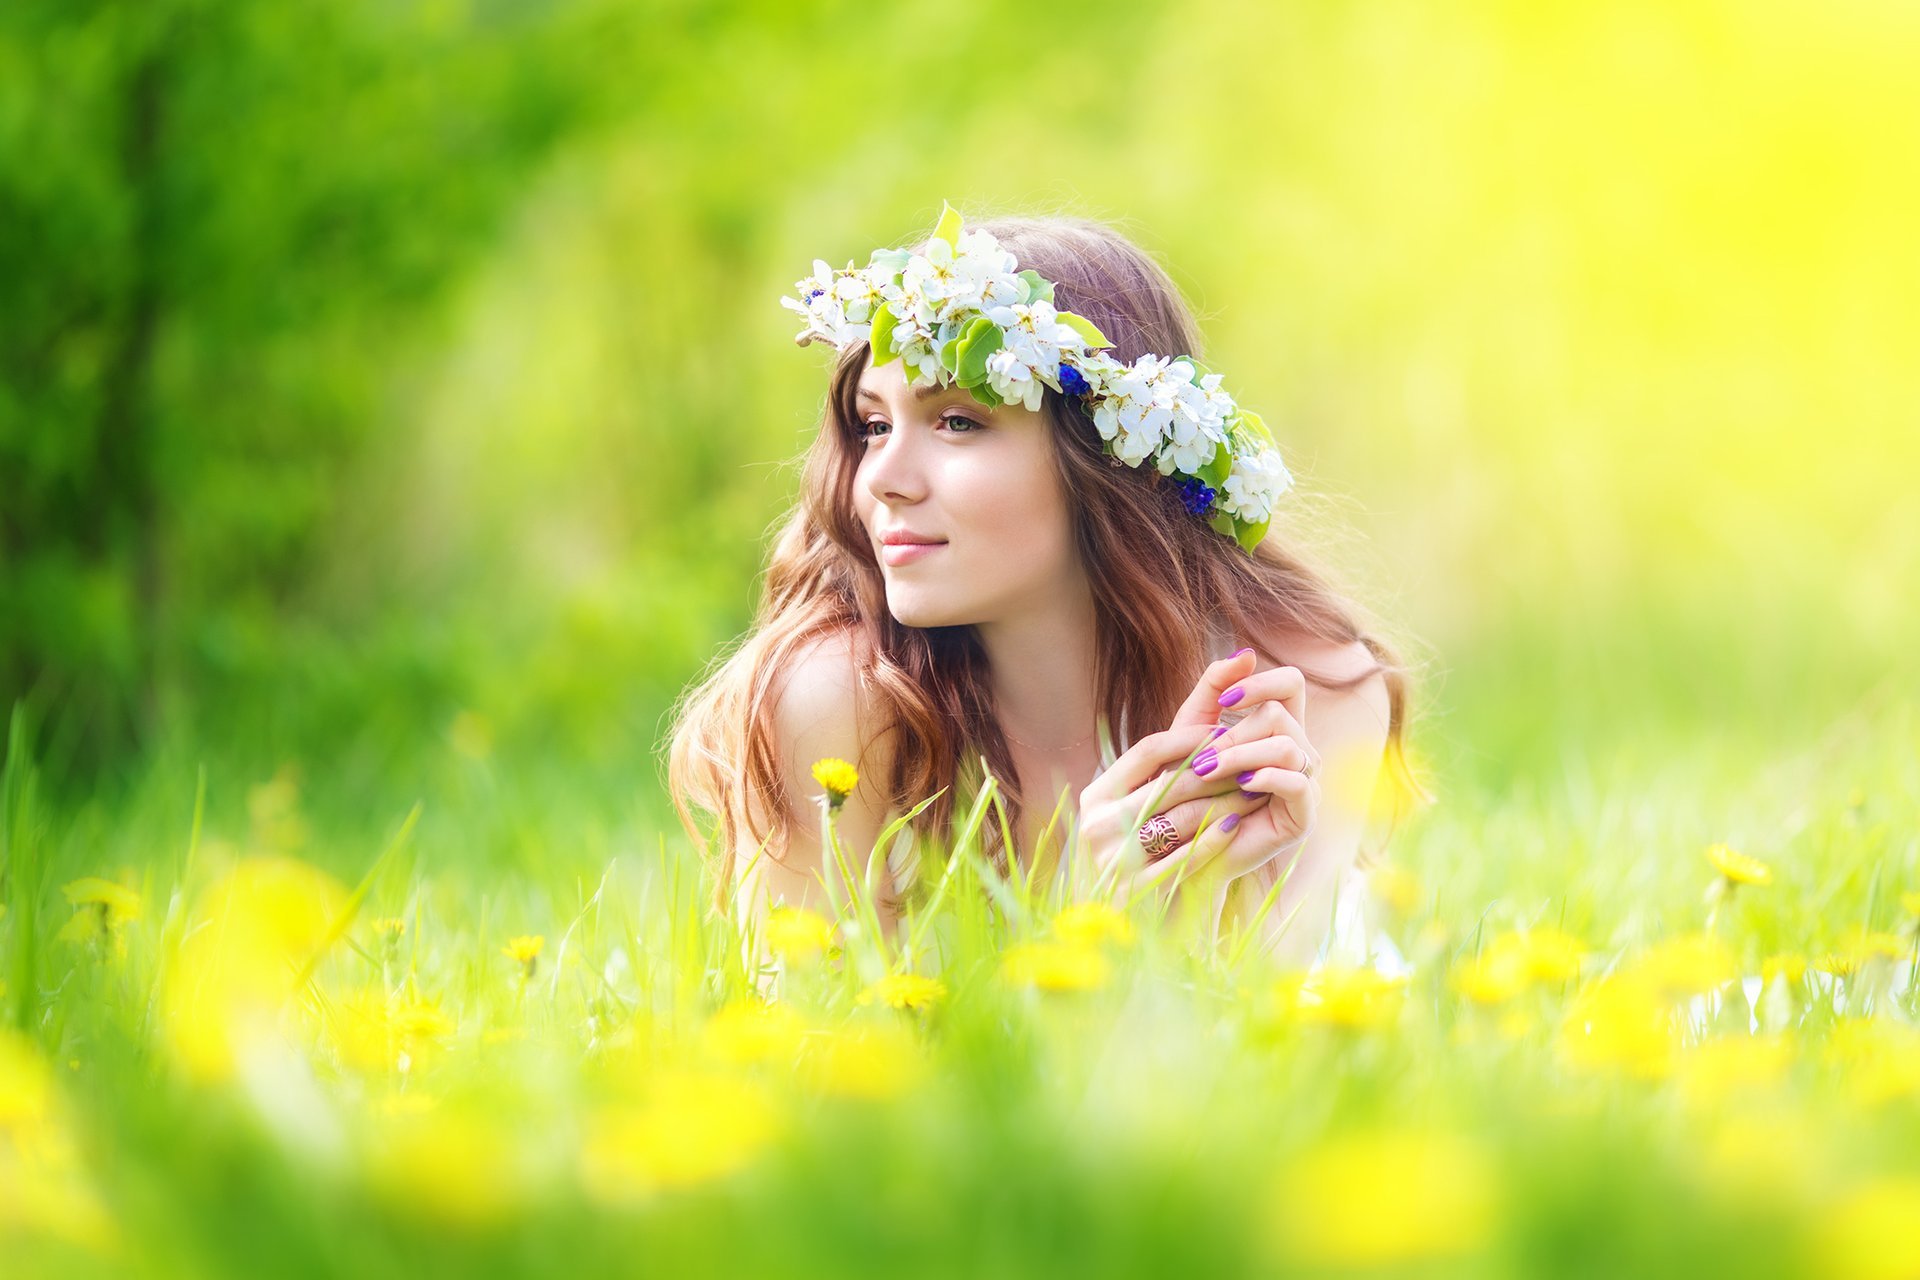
point(820, 682)
point(825, 705)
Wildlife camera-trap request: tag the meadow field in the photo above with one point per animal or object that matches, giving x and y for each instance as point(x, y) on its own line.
point(394, 406)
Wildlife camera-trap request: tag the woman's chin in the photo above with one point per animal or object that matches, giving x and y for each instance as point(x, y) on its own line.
point(913, 609)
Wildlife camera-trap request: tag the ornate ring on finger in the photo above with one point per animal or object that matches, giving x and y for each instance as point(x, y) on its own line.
point(1159, 837)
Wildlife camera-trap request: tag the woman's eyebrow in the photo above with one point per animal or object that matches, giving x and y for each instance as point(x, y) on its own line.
point(927, 392)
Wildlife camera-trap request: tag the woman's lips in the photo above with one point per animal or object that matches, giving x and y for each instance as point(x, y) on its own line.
point(900, 553)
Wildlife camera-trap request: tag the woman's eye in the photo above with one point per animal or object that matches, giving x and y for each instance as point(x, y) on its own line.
point(966, 426)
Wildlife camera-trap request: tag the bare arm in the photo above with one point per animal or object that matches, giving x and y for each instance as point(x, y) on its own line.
point(819, 715)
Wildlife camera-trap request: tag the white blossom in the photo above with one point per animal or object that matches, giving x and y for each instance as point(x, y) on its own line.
point(1014, 379)
point(1254, 486)
point(1197, 425)
point(822, 303)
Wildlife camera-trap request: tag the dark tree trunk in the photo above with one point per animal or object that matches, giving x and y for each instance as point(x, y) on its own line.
point(128, 526)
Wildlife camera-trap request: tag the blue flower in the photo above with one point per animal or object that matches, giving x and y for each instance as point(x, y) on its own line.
point(1195, 493)
point(1073, 382)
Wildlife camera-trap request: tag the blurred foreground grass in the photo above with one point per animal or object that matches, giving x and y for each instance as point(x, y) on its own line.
point(1618, 1053)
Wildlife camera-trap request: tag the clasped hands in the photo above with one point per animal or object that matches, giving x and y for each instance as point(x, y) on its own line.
point(1238, 795)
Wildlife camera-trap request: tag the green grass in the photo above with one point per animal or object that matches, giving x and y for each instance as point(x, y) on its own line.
point(1183, 1113)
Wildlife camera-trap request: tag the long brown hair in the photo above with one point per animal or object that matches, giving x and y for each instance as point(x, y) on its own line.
point(1156, 571)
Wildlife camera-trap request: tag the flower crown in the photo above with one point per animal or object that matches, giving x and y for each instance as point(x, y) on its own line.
point(961, 313)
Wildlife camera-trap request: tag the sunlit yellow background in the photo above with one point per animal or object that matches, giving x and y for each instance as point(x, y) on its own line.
point(1588, 329)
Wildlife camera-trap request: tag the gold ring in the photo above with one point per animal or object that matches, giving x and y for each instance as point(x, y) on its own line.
point(1159, 837)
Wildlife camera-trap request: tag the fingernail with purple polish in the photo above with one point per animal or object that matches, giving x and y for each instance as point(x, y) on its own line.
point(1218, 730)
point(1229, 822)
point(1237, 652)
point(1243, 778)
point(1249, 795)
point(1232, 696)
point(1205, 761)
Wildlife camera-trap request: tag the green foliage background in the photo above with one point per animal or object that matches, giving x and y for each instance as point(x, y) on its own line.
point(364, 364)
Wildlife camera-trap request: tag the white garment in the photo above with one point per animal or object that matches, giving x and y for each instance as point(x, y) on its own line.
point(1353, 939)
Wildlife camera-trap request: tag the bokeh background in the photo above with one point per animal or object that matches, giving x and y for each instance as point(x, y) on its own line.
point(394, 397)
point(395, 406)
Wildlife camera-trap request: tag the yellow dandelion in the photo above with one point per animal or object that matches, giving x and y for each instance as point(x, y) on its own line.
point(1859, 947)
point(372, 1031)
point(1725, 1065)
point(1620, 1024)
point(389, 927)
point(797, 933)
point(1839, 963)
point(689, 1129)
point(1685, 965)
point(905, 991)
point(1441, 1186)
point(1092, 923)
point(838, 777)
point(1878, 1059)
point(229, 976)
point(117, 903)
point(100, 908)
point(1788, 965)
point(1496, 975)
point(862, 1062)
point(525, 952)
point(1056, 966)
point(1553, 956)
point(1738, 868)
point(1353, 998)
point(747, 1031)
point(1512, 961)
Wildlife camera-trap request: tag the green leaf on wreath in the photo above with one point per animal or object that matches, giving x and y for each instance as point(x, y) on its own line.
point(881, 338)
point(1038, 286)
point(1085, 328)
point(1216, 469)
point(949, 227)
point(1251, 422)
point(981, 339)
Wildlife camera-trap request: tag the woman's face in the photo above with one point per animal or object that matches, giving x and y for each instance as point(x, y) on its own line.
point(939, 465)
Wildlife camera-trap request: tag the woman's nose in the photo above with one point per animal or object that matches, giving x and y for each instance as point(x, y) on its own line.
point(895, 468)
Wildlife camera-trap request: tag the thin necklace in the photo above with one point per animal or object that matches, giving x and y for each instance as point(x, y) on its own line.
point(1029, 746)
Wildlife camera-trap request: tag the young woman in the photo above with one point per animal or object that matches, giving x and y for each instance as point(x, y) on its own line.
point(1030, 517)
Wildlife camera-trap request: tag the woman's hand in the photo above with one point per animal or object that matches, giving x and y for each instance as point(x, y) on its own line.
point(1177, 774)
point(1270, 758)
